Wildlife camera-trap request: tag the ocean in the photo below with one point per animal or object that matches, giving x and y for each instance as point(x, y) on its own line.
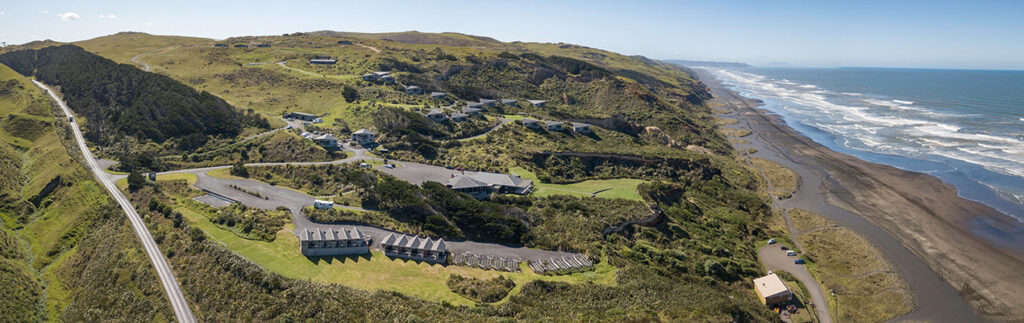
point(964, 127)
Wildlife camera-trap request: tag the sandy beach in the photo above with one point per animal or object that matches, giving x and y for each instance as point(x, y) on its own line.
point(963, 261)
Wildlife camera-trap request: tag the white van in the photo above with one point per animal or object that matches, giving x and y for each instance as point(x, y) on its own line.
point(790, 253)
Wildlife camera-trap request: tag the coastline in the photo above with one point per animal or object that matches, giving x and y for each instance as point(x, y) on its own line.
point(958, 256)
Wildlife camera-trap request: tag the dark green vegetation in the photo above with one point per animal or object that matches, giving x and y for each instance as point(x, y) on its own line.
point(120, 100)
point(66, 251)
point(480, 290)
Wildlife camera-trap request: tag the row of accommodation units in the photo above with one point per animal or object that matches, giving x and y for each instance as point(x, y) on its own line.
point(482, 184)
point(223, 45)
point(493, 103)
point(560, 263)
point(438, 115)
point(577, 127)
point(316, 242)
point(415, 248)
point(485, 262)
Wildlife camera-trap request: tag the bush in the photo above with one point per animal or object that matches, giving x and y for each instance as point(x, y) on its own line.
point(135, 181)
point(483, 291)
point(238, 169)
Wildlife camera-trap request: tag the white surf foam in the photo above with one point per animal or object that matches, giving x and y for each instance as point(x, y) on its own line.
point(903, 102)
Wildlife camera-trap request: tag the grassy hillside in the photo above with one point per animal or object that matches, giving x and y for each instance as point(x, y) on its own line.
point(66, 251)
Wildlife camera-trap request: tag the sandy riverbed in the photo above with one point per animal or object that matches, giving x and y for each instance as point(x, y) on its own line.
point(962, 259)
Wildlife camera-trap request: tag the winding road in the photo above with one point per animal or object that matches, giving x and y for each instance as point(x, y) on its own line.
point(182, 312)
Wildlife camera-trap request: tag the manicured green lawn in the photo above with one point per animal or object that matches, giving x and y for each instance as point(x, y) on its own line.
point(624, 188)
point(376, 271)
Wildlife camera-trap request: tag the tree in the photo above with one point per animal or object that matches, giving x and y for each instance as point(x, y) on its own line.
point(350, 94)
point(135, 181)
point(238, 169)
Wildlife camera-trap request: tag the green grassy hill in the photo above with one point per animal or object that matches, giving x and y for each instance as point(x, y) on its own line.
point(66, 251)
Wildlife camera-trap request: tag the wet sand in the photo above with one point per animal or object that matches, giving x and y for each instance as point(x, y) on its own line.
point(962, 260)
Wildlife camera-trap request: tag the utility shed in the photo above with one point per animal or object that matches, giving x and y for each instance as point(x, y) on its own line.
point(771, 290)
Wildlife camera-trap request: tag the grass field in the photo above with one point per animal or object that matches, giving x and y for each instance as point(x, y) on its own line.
point(374, 272)
point(122, 184)
point(623, 188)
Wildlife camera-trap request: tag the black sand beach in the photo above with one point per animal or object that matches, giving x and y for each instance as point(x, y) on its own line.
point(927, 231)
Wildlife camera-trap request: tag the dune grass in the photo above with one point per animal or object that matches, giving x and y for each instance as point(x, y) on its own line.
point(784, 181)
point(865, 287)
point(375, 271)
point(623, 188)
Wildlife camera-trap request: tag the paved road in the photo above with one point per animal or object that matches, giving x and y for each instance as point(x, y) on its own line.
point(774, 258)
point(503, 122)
point(182, 312)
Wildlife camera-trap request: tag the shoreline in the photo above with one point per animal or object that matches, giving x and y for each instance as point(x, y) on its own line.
point(930, 234)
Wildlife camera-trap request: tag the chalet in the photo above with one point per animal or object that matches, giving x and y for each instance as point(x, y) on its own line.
point(472, 111)
point(326, 140)
point(315, 242)
point(263, 45)
point(531, 123)
point(508, 102)
point(377, 76)
point(241, 46)
point(581, 128)
point(323, 61)
point(488, 102)
point(301, 116)
point(475, 105)
point(437, 115)
point(438, 95)
point(412, 89)
point(362, 136)
point(504, 183)
point(415, 248)
point(323, 205)
point(369, 77)
point(538, 103)
point(468, 185)
point(459, 116)
point(553, 125)
point(387, 78)
point(344, 42)
point(221, 45)
point(772, 290)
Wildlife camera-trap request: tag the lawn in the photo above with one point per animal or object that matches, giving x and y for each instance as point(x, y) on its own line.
point(376, 271)
point(623, 188)
point(122, 184)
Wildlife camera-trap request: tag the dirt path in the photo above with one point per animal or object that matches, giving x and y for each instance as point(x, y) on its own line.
point(374, 49)
point(145, 67)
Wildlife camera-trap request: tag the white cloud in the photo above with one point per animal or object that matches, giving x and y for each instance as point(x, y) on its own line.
point(45, 12)
point(68, 16)
point(2, 13)
point(102, 16)
point(149, 24)
point(110, 16)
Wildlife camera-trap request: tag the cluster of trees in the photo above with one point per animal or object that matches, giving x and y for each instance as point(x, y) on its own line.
point(481, 290)
point(119, 100)
point(251, 223)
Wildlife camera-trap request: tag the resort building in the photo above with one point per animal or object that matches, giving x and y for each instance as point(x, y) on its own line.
point(553, 125)
point(415, 248)
point(344, 42)
point(323, 205)
point(301, 116)
point(504, 183)
point(438, 95)
point(531, 123)
point(581, 128)
point(459, 116)
point(263, 45)
point(468, 185)
point(369, 77)
point(538, 103)
point(326, 140)
point(315, 242)
point(387, 79)
point(241, 46)
point(412, 89)
point(488, 102)
point(508, 102)
point(473, 111)
point(220, 45)
point(362, 136)
point(772, 291)
point(324, 61)
point(474, 105)
point(437, 115)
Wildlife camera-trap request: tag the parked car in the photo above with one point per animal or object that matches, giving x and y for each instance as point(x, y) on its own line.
point(288, 127)
point(798, 261)
point(784, 248)
point(449, 167)
point(771, 241)
point(389, 165)
point(791, 253)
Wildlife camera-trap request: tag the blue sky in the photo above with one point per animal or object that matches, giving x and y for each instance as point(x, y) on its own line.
point(931, 34)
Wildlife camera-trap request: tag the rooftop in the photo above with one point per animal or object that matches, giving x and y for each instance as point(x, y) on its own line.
point(501, 179)
point(362, 132)
point(770, 285)
point(464, 182)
